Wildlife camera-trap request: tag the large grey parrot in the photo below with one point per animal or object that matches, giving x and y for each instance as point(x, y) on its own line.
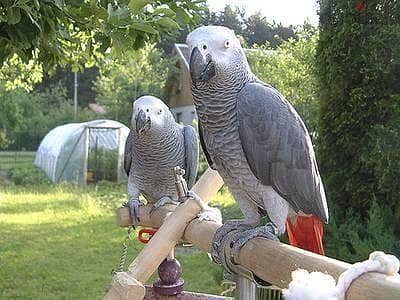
point(257, 142)
point(155, 145)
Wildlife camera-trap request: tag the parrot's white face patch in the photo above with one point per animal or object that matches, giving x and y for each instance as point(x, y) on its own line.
point(216, 42)
point(153, 109)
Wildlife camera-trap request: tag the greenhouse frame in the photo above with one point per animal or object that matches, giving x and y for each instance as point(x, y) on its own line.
point(84, 152)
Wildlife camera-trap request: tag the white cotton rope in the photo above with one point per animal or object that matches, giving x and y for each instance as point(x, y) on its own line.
point(317, 285)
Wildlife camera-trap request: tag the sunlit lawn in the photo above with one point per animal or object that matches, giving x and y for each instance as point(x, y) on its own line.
point(61, 242)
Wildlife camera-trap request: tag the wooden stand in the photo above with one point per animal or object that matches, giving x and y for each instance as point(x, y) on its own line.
point(163, 241)
point(271, 261)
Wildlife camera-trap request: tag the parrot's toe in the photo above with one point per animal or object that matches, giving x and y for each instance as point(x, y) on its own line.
point(268, 231)
point(212, 214)
point(221, 237)
point(163, 201)
point(133, 205)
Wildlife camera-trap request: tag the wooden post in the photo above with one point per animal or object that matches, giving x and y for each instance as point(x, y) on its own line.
point(166, 237)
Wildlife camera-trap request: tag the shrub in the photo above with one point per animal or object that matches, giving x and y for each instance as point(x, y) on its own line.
point(29, 175)
point(358, 59)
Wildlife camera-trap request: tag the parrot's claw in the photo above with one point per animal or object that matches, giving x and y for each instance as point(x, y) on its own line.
point(207, 213)
point(195, 197)
point(212, 214)
point(133, 205)
point(268, 231)
point(163, 201)
point(221, 237)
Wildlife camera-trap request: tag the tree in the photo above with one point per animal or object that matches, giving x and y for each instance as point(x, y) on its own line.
point(76, 32)
point(358, 59)
point(140, 72)
point(258, 31)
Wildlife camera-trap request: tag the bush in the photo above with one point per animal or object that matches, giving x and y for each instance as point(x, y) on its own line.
point(36, 113)
point(358, 59)
point(27, 176)
point(103, 163)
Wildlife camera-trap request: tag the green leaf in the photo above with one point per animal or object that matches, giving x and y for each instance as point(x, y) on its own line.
point(64, 34)
point(119, 17)
point(144, 27)
point(164, 11)
point(13, 15)
point(169, 24)
point(136, 5)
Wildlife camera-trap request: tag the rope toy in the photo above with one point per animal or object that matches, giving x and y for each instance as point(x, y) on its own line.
point(317, 285)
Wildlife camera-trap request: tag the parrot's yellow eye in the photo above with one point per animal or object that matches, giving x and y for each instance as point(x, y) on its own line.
point(160, 111)
point(227, 44)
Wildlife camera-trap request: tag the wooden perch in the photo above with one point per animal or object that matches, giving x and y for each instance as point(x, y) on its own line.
point(269, 260)
point(163, 241)
point(274, 262)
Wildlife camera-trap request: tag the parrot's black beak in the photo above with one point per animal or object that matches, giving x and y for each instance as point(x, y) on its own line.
point(143, 122)
point(202, 68)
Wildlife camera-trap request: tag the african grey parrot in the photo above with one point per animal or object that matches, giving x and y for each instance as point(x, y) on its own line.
point(257, 142)
point(155, 145)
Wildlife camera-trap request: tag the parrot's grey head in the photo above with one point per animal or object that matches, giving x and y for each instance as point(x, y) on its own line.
point(150, 115)
point(215, 52)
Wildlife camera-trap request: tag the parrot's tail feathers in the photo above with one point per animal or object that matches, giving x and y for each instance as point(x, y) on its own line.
point(306, 232)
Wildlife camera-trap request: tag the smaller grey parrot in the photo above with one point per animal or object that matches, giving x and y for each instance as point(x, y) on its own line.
point(155, 145)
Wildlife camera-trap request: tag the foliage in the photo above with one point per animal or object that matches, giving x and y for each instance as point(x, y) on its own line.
point(10, 115)
point(359, 67)
point(27, 175)
point(29, 116)
point(254, 29)
point(290, 68)
point(141, 72)
point(16, 74)
point(65, 77)
point(76, 32)
point(103, 164)
point(353, 240)
point(258, 31)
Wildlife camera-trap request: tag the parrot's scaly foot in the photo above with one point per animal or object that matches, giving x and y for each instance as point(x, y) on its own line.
point(163, 201)
point(220, 238)
point(207, 213)
point(133, 205)
point(268, 231)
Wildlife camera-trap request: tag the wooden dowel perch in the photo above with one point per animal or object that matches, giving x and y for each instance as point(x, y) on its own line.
point(269, 260)
point(163, 241)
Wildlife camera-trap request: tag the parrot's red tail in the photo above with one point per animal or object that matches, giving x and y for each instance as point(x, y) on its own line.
point(306, 232)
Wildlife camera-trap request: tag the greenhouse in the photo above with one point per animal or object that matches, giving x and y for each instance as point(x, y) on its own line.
point(84, 152)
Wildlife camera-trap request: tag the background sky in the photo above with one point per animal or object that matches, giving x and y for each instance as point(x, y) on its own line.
point(287, 12)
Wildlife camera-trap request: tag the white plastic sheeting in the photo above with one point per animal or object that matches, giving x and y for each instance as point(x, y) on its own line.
point(63, 152)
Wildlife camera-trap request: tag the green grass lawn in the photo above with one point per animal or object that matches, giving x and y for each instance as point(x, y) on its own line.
point(61, 242)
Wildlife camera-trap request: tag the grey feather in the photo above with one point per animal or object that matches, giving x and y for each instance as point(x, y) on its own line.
point(204, 147)
point(128, 153)
point(191, 154)
point(278, 149)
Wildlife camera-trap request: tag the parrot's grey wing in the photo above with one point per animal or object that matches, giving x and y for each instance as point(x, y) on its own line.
point(204, 147)
point(128, 153)
point(191, 154)
point(278, 148)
